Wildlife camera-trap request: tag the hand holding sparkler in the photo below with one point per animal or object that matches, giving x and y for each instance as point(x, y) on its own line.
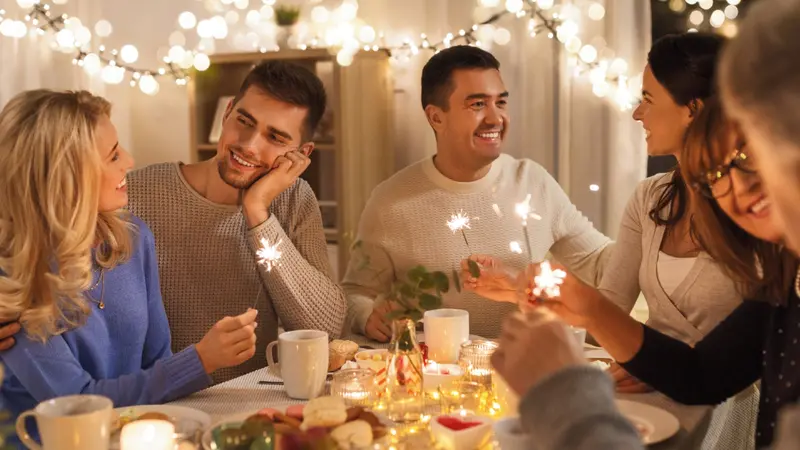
point(493, 280)
point(550, 286)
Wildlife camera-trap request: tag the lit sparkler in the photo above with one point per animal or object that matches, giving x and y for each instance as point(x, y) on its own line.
point(547, 283)
point(268, 255)
point(525, 212)
point(515, 247)
point(460, 222)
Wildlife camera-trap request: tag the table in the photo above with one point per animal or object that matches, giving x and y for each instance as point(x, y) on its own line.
point(244, 394)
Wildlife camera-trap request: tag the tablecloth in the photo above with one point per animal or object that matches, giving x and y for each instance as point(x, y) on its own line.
point(245, 394)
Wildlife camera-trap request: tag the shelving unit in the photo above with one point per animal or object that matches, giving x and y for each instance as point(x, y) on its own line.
point(353, 145)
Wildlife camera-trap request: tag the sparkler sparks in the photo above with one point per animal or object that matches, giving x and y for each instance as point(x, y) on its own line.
point(547, 283)
point(515, 247)
point(269, 255)
point(460, 222)
point(525, 212)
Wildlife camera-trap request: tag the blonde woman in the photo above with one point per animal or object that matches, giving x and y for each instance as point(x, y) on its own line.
point(79, 275)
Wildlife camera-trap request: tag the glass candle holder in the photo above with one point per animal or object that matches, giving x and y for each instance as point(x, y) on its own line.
point(358, 387)
point(475, 360)
point(461, 395)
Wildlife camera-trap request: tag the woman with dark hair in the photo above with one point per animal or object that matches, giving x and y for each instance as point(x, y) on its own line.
point(761, 338)
point(687, 292)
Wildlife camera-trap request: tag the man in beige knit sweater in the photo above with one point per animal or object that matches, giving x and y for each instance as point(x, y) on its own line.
point(404, 222)
point(210, 218)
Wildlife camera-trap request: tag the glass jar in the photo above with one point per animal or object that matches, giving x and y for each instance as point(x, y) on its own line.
point(358, 387)
point(404, 396)
point(475, 359)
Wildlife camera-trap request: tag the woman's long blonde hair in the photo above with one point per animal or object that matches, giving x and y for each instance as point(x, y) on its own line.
point(50, 173)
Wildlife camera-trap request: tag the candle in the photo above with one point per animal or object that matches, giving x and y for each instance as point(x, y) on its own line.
point(355, 386)
point(148, 435)
point(475, 359)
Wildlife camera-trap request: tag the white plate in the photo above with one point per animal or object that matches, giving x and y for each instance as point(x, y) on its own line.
point(184, 418)
point(655, 424)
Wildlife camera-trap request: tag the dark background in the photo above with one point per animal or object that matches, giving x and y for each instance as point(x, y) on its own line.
point(667, 21)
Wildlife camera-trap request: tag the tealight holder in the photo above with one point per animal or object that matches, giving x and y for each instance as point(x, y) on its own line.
point(358, 387)
point(475, 360)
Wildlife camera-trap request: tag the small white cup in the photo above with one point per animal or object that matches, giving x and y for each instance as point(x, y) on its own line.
point(509, 434)
point(75, 422)
point(303, 356)
point(445, 331)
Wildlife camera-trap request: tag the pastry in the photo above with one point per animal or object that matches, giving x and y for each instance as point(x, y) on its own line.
point(324, 412)
point(339, 352)
point(353, 435)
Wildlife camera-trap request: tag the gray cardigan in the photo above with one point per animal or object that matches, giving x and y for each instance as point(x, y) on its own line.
point(705, 297)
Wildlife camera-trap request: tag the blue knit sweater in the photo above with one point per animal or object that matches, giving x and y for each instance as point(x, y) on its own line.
point(122, 352)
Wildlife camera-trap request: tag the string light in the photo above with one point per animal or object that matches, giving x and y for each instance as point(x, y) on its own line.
point(72, 36)
point(336, 30)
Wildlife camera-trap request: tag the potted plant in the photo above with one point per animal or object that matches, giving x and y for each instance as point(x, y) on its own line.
point(286, 17)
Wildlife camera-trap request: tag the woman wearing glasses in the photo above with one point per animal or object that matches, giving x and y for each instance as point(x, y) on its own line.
point(761, 338)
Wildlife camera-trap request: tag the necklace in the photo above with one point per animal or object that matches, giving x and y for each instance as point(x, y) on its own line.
point(101, 280)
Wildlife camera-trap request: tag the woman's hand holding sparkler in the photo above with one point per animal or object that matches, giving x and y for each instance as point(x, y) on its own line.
point(493, 281)
point(550, 286)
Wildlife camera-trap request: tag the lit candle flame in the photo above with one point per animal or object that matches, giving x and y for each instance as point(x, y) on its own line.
point(515, 247)
point(268, 255)
point(525, 212)
point(548, 281)
point(459, 222)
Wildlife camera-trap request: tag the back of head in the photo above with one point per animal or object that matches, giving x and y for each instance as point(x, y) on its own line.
point(685, 64)
point(762, 269)
point(49, 192)
point(437, 75)
point(290, 83)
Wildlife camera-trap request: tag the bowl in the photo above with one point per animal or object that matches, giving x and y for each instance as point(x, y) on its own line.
point(477, 431)
point(373, 359)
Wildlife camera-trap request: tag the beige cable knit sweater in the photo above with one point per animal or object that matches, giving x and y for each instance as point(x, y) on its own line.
point(208, 269)
point(404, 224)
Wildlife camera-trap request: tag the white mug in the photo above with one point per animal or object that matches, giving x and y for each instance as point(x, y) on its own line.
point(445, 331)
point(76, 422)
point(303, 357)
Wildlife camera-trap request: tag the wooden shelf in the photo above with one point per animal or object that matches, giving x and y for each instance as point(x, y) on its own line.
point(354, 149)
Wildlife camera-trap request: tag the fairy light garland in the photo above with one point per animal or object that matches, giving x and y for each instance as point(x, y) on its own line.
point(109, 64)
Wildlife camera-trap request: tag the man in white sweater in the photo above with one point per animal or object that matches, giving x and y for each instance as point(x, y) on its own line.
point(404, 222)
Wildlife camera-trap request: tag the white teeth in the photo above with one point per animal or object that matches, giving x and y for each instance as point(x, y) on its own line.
point(241, 161)
point(122, 183)
point(759, 206)
point(494, 135)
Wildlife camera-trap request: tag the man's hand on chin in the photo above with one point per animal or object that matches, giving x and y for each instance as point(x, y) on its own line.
point(258, 197)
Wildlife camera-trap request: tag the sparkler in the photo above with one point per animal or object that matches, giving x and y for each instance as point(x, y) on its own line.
point(547, 283)
point(459, 222)
point(269, 255)
point(515, 247)
point(524, 211)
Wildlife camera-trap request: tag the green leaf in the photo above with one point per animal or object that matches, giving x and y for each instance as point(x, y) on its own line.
point(428, 282)
point(407, 291)
point(429, 302)
point(357, 244)
point(417, 273)
point(456, 281)
point(441, 281)
point(474, 268)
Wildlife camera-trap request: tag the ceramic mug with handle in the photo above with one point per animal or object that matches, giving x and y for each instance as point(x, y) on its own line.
point(303, 362)
point(75, 422)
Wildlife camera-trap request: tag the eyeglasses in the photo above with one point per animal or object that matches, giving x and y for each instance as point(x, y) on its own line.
point(718, 183)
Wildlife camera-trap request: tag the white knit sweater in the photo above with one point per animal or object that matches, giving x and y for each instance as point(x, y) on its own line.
point(404, 225)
